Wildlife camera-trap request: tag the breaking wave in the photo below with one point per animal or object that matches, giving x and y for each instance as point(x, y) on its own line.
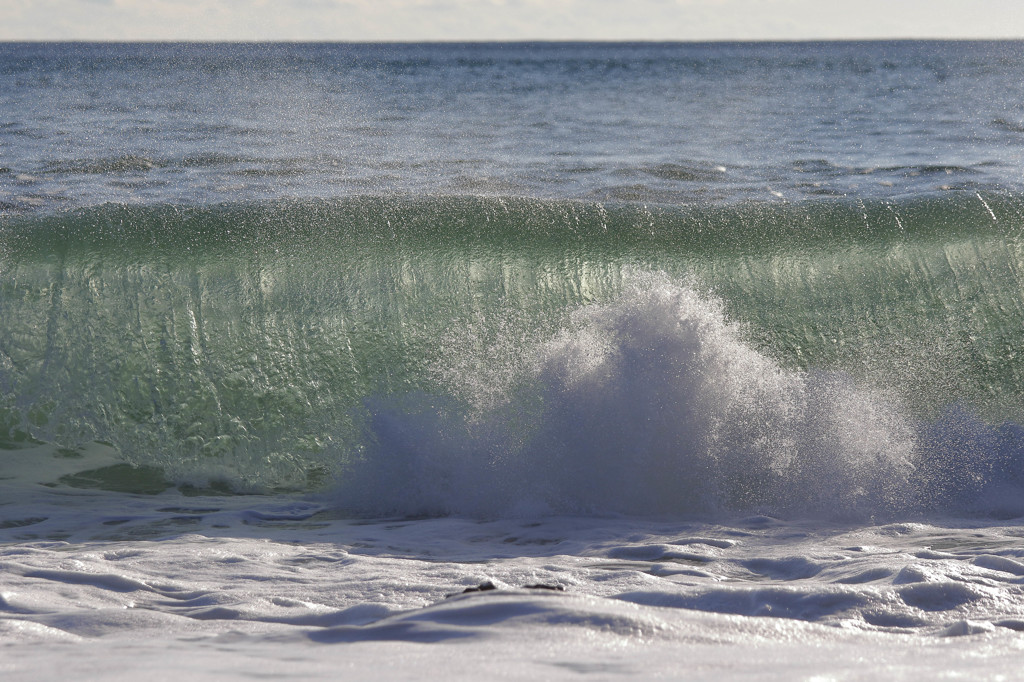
point(654, 404)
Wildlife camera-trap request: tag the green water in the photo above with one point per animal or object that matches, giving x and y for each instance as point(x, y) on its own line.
point(240, 342)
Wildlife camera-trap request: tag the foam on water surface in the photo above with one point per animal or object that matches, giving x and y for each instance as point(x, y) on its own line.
point(172, 582)
point(655, 404)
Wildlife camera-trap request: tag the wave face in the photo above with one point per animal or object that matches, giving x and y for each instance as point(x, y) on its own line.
point(490, 356)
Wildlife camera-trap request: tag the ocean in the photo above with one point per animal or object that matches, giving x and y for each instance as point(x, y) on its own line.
point(524, 360)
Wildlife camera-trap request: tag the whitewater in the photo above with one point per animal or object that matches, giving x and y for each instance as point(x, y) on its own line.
point(511, 361)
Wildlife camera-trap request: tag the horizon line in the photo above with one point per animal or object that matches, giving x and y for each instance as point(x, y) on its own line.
point(499, 41)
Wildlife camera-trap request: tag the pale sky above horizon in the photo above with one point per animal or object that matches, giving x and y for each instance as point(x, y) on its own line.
point(431, 20)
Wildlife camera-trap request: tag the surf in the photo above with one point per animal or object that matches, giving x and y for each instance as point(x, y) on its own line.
point(309, 345)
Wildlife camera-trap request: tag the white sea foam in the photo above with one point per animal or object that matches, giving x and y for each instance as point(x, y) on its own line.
point(652, 404)
point(231, 588)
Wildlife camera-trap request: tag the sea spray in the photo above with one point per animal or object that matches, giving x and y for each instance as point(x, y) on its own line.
point(651, 404)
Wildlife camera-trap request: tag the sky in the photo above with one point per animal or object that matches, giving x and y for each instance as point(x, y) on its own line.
point(433, 20)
